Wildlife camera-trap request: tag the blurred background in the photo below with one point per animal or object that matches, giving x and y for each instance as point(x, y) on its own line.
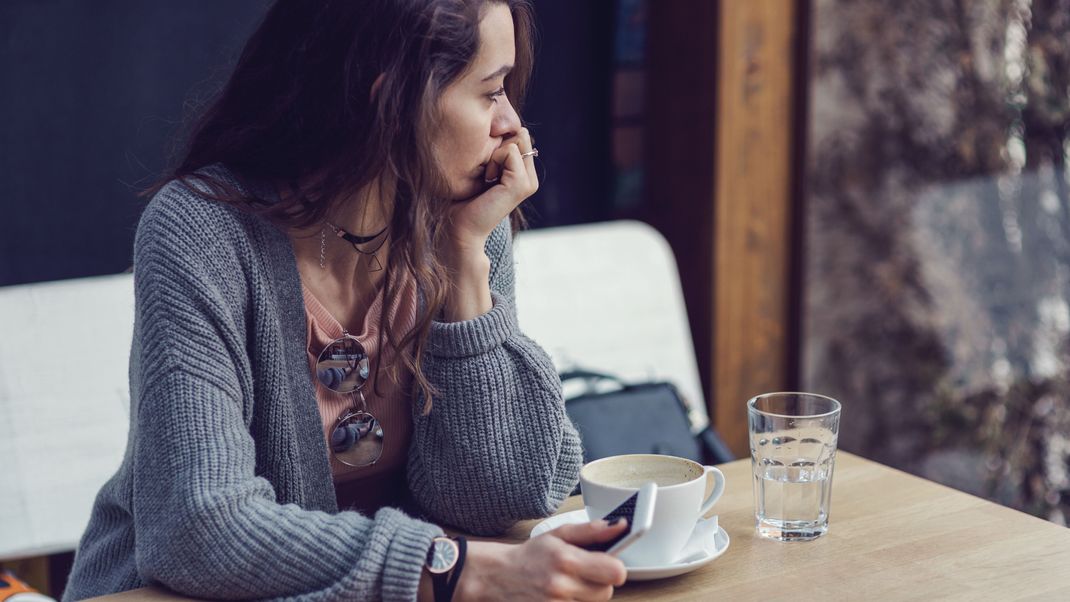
point(865, 199)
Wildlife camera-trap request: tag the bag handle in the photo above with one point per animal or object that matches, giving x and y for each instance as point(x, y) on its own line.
point(589, 375)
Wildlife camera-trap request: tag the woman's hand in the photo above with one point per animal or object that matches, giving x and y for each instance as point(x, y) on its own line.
point(548, 567)
point(514, 179)
point(472, 221)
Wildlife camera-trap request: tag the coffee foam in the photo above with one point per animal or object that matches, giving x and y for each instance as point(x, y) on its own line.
point(633, 471)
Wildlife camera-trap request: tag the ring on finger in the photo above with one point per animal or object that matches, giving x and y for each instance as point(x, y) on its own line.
point(532, 153)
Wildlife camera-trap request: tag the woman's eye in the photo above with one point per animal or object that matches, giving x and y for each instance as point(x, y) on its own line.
point(495, 94)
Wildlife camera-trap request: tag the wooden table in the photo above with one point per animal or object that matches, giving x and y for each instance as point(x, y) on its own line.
point(892, 536)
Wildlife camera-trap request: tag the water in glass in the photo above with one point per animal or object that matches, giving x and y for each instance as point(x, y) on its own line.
point(792, 484)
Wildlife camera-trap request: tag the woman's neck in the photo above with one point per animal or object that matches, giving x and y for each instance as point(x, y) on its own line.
point(346, 280)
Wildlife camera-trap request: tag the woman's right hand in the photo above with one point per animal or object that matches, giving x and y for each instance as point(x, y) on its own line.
point(551, 566)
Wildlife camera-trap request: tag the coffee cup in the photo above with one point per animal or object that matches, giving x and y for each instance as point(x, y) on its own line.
point(681, 499)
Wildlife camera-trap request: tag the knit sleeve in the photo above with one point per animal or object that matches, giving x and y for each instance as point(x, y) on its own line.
point(206, 525)
point(497, 446)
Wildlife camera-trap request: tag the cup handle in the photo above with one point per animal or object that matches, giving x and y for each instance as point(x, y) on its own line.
point(718, 489)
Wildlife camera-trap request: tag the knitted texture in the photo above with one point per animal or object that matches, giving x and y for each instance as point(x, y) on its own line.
point(225, 489)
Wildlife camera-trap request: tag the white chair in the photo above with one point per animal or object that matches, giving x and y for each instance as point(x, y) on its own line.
point(607, 297)
point(64, 406)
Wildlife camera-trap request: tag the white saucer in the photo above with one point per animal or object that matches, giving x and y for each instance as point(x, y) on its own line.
point(711, 548)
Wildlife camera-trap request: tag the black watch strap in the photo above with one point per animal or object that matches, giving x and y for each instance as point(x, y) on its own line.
point(444, 584)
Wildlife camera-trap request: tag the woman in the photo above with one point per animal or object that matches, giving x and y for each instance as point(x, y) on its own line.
point(325, 330)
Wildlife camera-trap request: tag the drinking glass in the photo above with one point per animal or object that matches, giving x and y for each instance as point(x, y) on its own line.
point(793, 449)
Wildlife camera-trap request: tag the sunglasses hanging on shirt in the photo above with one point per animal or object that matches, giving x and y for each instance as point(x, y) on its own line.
point(344, 367)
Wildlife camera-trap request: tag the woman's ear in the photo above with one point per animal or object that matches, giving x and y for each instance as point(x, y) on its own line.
point(375, 86)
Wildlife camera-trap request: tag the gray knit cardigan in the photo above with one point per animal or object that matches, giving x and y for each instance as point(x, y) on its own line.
point(225, 490)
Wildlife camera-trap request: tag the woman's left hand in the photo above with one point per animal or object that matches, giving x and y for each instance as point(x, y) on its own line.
point(473, 220)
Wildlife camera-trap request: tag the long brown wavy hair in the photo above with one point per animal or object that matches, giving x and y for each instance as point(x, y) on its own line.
point(297, 111)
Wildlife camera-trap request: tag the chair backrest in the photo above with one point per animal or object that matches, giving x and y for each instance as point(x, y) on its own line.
point(64, 406)
point(607, 297)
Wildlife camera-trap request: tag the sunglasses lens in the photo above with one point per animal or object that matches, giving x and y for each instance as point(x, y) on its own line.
point(357, 439)
point(343, 366)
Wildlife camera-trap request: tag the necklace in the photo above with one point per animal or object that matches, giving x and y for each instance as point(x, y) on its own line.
point(353, 239)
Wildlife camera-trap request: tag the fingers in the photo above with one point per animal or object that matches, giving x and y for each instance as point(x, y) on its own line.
point(494, 167)
point(558, 570)
point(514, 185)
point(593, 592)
point(583, 575)
point(594, 567)
point(526, 144)
point(562, 587)
point(600, 568)
point(497, 162)
point(516, 172)
point(499, 156)
point(501, 160)
point(582, 534)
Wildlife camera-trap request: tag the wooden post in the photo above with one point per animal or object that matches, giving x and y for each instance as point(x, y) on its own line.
point(722, 166)
point(753, 224)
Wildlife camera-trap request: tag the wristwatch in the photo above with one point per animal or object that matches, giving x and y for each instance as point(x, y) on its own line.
point(444, 561)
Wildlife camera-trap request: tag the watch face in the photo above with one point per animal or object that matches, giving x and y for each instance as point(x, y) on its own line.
point(443, 555)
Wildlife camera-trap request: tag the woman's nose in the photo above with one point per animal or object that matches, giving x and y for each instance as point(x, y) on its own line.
point(506, 122)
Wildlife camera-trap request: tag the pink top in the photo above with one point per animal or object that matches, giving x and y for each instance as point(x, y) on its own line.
point(369, 487)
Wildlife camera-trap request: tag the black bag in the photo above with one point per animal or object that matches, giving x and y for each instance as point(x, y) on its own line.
point(643, 418)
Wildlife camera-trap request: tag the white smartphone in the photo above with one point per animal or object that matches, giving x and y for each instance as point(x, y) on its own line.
point(639, 511)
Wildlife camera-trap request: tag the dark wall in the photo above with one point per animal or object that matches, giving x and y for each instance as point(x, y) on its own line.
point(568, 111)
point(93, 94)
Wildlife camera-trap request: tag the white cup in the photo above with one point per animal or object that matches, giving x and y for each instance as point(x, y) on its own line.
point(608, 482)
